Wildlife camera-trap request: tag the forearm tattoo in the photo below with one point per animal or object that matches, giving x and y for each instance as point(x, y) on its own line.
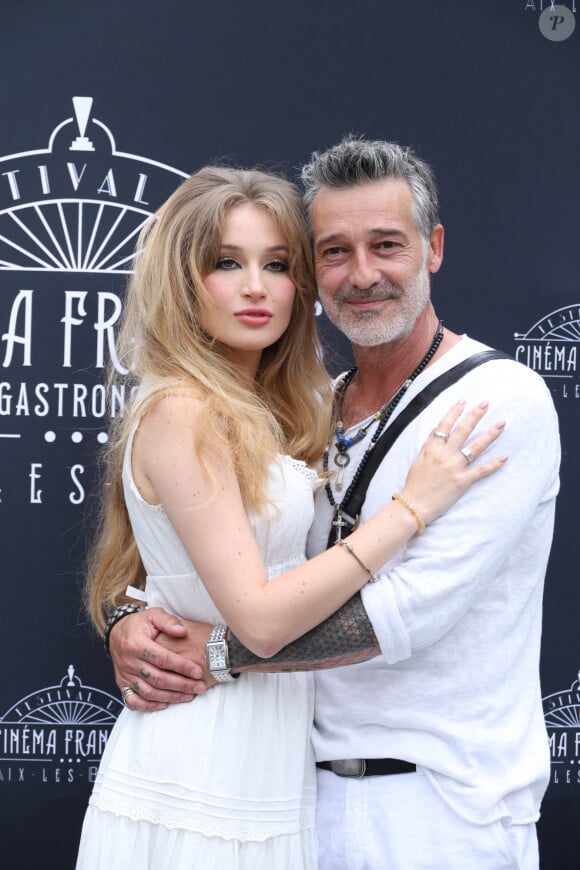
point(345, 638)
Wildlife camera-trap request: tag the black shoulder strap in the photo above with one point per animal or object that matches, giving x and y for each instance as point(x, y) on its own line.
point(351, 508)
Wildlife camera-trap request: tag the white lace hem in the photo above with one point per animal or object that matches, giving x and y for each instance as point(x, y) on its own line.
point(207, 820)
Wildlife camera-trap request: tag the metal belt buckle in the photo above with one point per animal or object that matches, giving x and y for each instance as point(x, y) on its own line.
point(354, 767)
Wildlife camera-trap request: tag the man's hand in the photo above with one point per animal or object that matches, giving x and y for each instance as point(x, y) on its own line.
point(153, 653)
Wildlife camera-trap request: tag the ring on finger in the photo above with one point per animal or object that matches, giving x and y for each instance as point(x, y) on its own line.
point(125, 692)
point(465, 451)
point(438, 434)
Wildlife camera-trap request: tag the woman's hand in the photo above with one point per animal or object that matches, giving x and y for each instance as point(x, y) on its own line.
point(447, 463)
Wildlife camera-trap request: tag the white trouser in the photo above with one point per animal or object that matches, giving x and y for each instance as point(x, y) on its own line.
point(401, 823)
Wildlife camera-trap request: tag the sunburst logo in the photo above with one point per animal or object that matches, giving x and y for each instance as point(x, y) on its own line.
point(562, 717)
point(79, 204)
point(550, 347)
point(56, 734)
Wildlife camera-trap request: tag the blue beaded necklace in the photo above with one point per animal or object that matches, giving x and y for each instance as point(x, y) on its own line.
point(343, 444)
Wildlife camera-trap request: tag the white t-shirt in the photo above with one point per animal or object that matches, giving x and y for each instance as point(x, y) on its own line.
point(457, 612)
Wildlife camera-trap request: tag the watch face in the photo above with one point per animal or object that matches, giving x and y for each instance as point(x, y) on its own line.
point(216, 657)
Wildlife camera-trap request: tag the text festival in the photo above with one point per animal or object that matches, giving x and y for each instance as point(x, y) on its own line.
point(107, 187)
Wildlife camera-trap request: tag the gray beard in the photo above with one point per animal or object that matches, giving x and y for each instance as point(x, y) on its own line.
point(373, 328)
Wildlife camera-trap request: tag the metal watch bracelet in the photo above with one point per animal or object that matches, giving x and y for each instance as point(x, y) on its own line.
point(217, 654)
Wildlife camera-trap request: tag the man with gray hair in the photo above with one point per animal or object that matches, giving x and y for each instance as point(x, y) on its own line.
point(428, 733)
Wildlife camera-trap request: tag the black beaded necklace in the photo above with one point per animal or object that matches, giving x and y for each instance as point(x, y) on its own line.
point(343, 444)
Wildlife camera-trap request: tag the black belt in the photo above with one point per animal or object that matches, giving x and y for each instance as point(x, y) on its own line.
point(359, 767)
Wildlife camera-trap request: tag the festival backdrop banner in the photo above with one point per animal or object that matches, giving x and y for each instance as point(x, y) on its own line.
point(112, 113)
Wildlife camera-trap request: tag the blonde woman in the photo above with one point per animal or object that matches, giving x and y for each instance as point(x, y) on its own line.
point(208, 500)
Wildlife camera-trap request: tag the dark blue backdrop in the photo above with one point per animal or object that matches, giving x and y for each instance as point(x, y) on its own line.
point(487, 99)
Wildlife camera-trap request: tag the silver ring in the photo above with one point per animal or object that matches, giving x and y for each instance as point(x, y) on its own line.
point(443, 435)
point(468, 454)
point(125, 692)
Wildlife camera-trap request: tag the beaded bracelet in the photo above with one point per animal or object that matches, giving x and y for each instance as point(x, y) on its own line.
point(350, 548)
point(118, 613)
point(418, 518)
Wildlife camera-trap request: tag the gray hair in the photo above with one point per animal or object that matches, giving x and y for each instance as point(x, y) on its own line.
point(356, 160)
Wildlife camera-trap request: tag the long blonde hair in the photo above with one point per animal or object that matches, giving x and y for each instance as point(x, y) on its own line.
point(287, 407)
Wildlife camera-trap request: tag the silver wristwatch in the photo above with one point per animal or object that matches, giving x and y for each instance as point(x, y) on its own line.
point(217, 655)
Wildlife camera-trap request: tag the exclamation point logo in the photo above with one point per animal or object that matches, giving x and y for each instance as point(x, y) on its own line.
point(82, 107)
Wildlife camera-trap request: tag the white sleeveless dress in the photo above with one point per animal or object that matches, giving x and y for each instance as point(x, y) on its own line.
point(226, 782)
